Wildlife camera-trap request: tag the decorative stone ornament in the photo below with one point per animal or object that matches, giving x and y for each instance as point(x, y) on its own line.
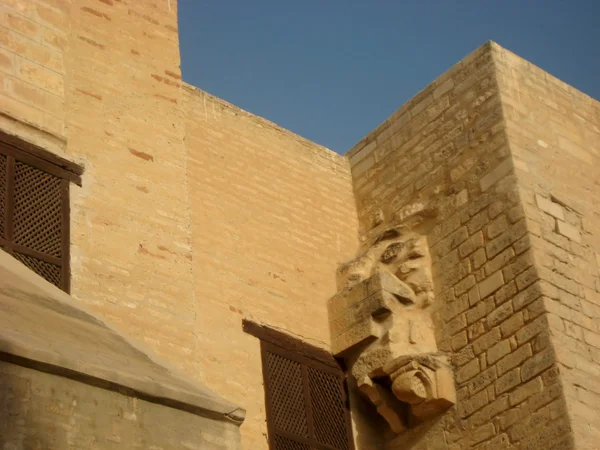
point(380, 325)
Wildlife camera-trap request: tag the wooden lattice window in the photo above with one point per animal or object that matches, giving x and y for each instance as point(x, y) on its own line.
point(34, 208)
point(305, 394)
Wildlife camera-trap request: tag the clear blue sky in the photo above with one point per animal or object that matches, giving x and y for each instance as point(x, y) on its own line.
point(332, 70)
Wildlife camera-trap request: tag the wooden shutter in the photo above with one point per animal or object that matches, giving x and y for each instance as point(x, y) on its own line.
point(34, 213)
point(306, 402)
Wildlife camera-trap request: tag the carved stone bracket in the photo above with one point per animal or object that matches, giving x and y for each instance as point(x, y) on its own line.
point(380, 325)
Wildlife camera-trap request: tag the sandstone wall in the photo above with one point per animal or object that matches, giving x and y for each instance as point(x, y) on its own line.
point(131, 249)
point(194, 214)
point(272, 216)
point(554, 133)
point(41, 410)
point(449, 148)
point(98, 83)
point(34, 36)
point(273, 213)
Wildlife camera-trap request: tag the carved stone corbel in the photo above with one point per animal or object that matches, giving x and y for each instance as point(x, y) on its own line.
point(380, 325)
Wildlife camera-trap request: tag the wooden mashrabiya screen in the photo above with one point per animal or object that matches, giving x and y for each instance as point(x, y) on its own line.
point(34, 210)
point(306, 402)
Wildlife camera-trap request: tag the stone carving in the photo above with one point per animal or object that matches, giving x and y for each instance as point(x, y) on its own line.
point(380, 325)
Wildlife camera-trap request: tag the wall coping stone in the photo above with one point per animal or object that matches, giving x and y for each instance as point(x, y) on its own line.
point(44, 328)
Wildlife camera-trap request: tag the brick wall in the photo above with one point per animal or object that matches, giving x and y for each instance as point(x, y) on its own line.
point(33, 40)
point(131, 247)
point(273, 214)
point(98, 82)
point(449, 147)
point(272, 217)
point(506, 152)
point(554, 135)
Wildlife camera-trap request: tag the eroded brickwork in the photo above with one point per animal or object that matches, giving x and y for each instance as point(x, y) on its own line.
point(448, 148)
point(272, 217)
point(554, 133)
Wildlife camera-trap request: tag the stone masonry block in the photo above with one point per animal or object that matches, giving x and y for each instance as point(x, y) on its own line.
point(40, 76)
point(468, 371)
point(514, 359)
point(538, 363)
point(473, 243)
point(532, 329)
point(473, 295)
point(459, 341)
point(464, 285)
point(591, 338)
point(384, 281)
point(486, 341)
point(505, 293)
point(522, 429)
point(363, 166)
point(482, 380)
point(482, 433)
point(381, 281)
point(503, 169)
point(526, 278)
point(491, 284)
point(474, 403)
point(500, 261)
point(443, 88)
point(525, 391)
point(376, 304)
point(478, 258)
point(500, 314)
point(6, 60)
point(480, 310)
point(464, 356)
point(568, 230)
point(506, 239)
point(456, 324)
point(359, 333)
point(497, 227)
point(498, 351)
point(354, 312)
point(477, 222)
point(524, 298)
point(508, 381)
point(550, 207)
point(489, 412)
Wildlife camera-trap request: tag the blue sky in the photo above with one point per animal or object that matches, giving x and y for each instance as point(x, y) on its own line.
point(332, 70)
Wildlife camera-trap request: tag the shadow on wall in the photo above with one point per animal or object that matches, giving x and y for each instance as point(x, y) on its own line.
point(371, 431)
point(30, 416)
point(19, 428)
point(425, 436)
point(369, 426)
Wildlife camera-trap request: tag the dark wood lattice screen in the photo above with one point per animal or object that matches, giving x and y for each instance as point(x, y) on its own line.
point(34, 213)
point(307, 406)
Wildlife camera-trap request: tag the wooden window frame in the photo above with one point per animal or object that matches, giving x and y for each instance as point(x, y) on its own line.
point(16, 150)
point(276, 342)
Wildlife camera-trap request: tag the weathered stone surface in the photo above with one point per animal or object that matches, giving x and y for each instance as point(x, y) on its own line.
point(550, 207)
point(379, 324)
point(528, 206)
